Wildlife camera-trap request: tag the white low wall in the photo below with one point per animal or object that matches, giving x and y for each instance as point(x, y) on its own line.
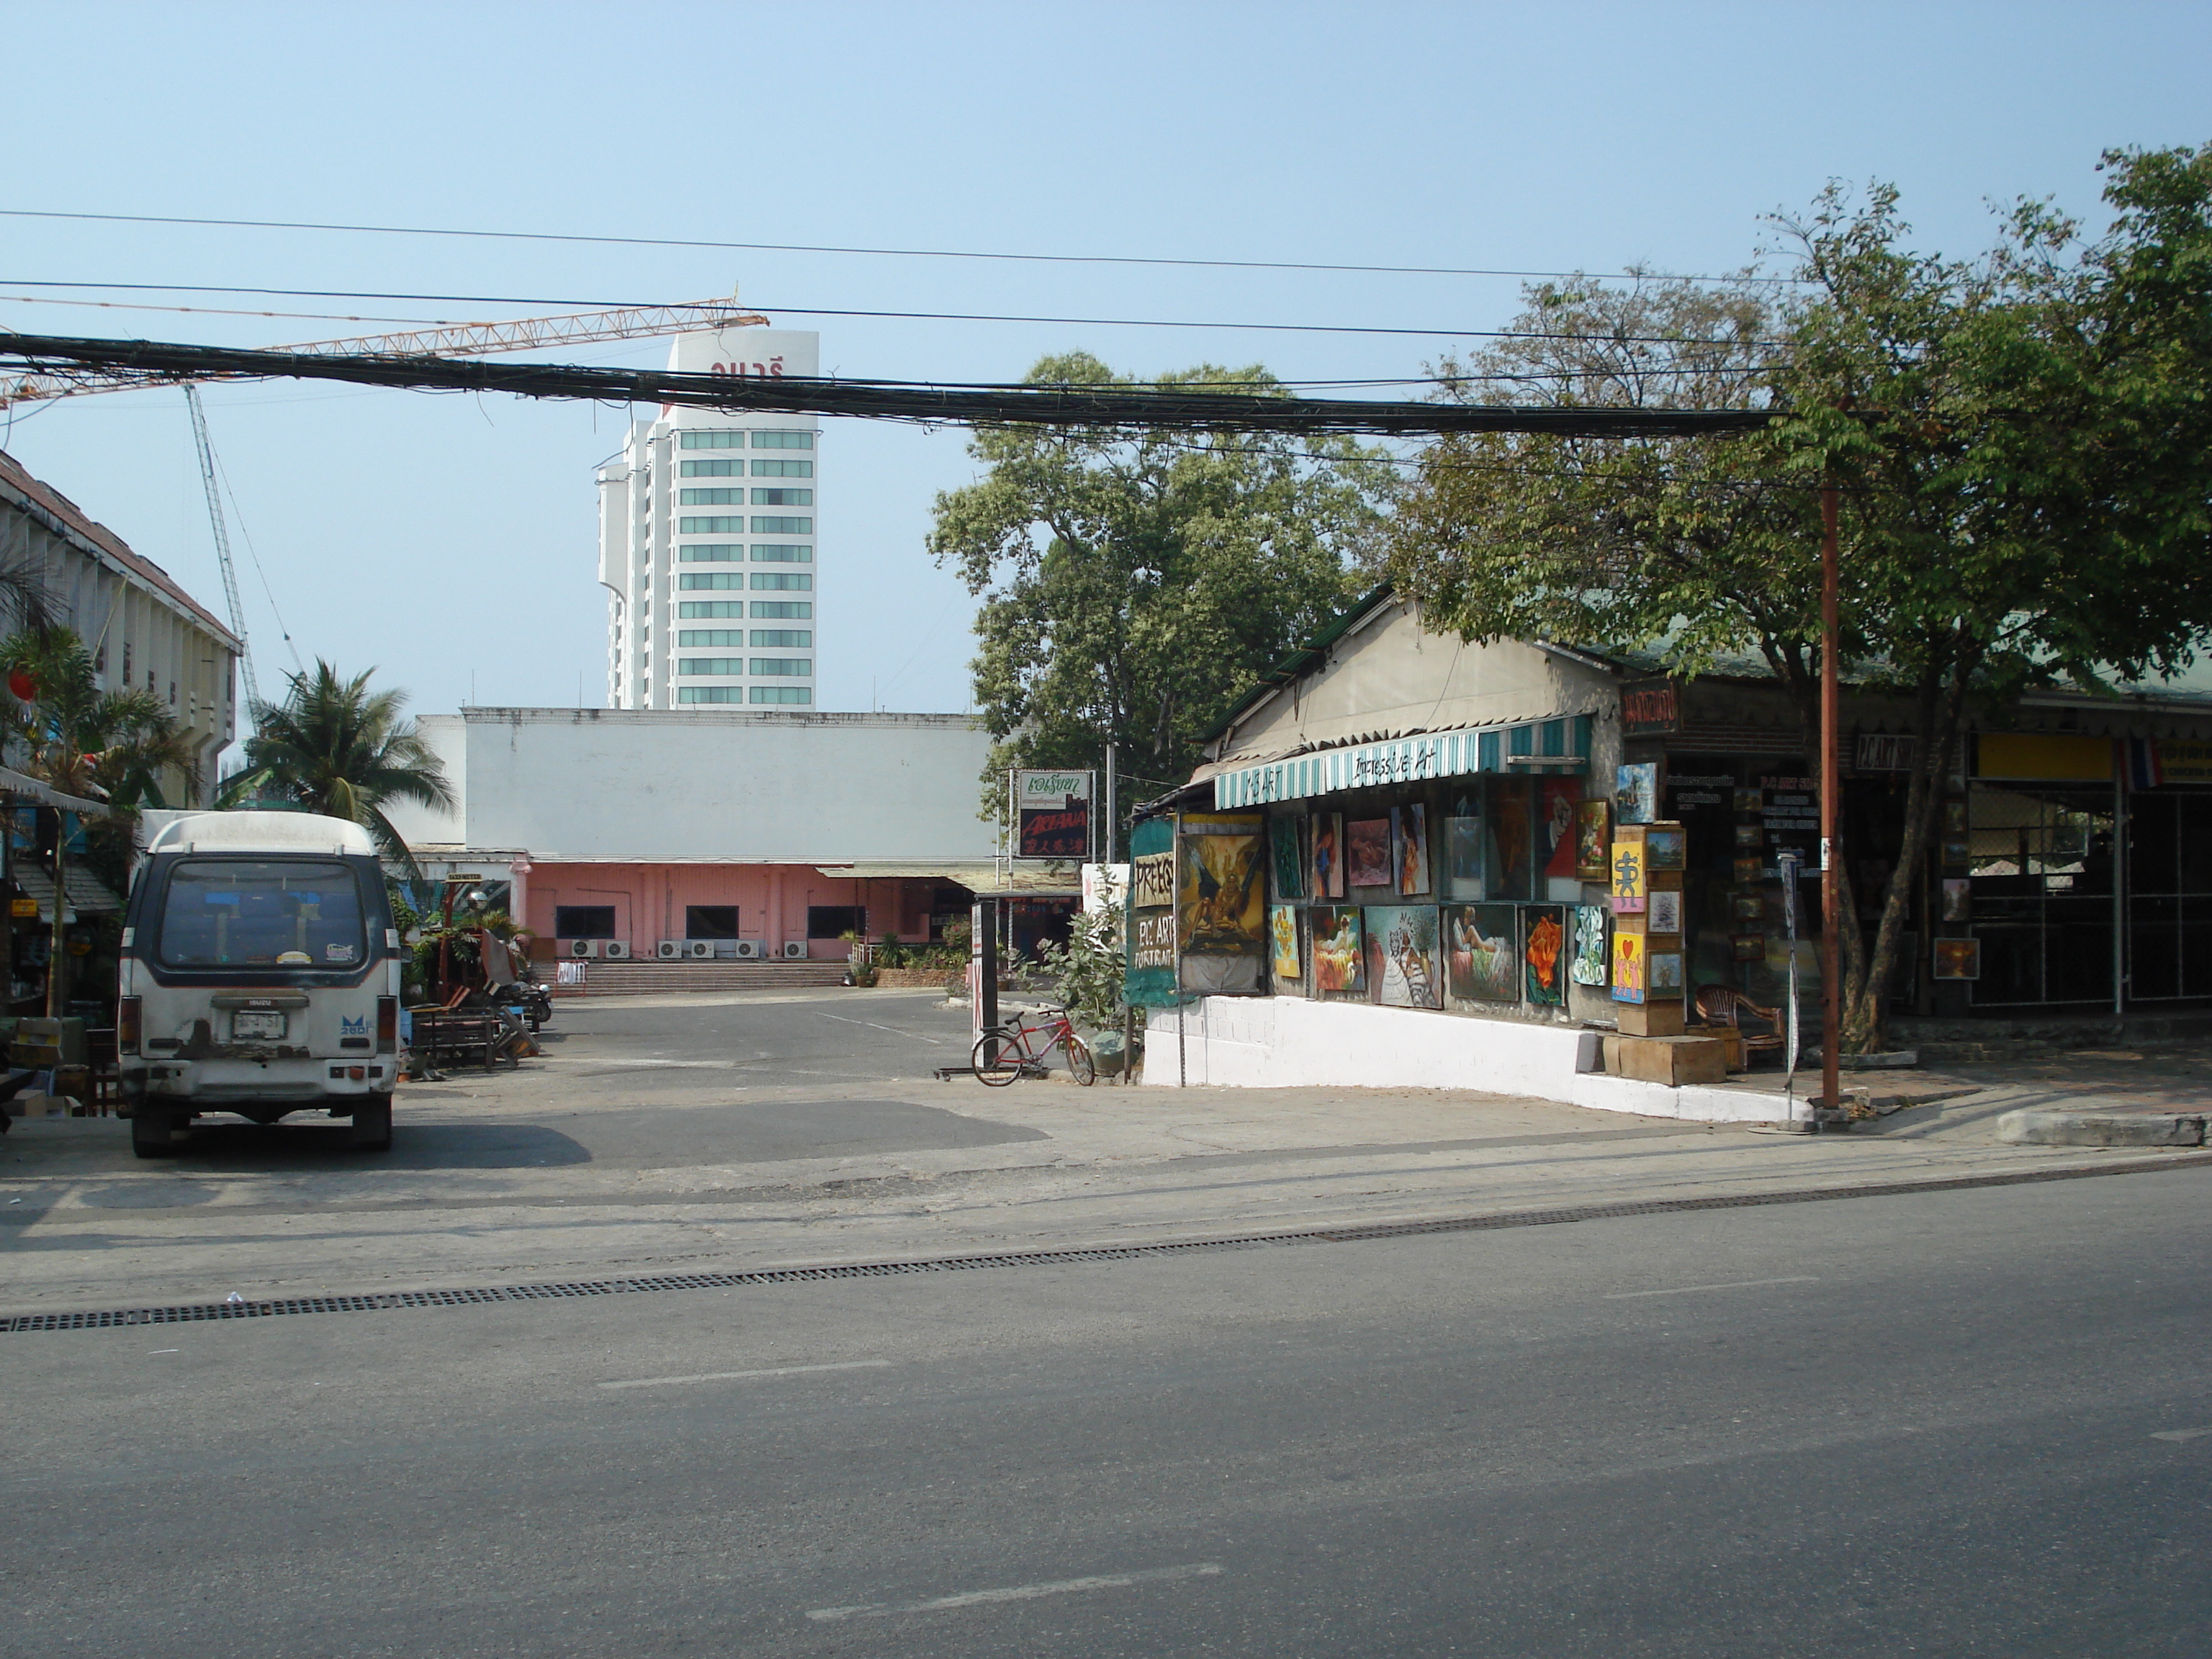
point(1273, 1043)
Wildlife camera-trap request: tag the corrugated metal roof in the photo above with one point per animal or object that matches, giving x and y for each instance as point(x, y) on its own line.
point(88, 894)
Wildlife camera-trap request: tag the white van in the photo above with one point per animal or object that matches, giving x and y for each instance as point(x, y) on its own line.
point(260, 976)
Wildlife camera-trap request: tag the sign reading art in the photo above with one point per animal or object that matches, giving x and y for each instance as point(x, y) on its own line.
point(1148, 979)
point(1052, 815)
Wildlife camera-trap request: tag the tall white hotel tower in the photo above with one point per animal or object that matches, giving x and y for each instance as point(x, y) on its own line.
point(707, 540)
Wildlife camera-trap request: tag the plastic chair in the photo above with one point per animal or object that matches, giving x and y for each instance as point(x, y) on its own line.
point(1723, 1005)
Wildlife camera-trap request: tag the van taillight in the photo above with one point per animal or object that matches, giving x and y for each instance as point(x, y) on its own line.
point(128, 1011)
point(387, 1026)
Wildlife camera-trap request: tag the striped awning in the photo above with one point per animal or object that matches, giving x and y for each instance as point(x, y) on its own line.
point(1560, 746)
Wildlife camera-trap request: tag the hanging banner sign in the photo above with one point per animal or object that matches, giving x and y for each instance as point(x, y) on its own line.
point(1052, 815)
point(1149, 974)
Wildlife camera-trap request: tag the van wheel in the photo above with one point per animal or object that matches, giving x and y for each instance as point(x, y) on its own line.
point(372, 1125)
point(153, 1132)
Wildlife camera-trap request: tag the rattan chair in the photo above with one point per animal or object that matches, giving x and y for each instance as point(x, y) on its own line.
point(1723, 1005)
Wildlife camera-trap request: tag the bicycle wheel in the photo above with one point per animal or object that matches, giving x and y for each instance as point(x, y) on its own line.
point(1079, 1063)
point(999, 1069)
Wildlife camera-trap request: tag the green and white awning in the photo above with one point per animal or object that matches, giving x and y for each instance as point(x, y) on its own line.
point(1559, 745)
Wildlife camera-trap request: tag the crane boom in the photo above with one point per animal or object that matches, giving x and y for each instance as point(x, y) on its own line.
point(453, 340)
point(223, 546)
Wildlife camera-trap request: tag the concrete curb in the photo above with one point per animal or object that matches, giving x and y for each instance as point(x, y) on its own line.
point(2064, 1126)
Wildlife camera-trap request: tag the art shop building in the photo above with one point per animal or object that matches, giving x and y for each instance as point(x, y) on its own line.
point(1392, 867)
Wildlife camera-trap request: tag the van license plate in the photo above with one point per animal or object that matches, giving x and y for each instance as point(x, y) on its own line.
point(250, 1027)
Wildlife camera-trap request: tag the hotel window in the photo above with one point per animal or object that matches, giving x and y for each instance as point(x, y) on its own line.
point(712, 578)
point(776, 693)
point(781, 553)
point(688, 610)
point(714, 439)
point(784, 667)
point(710, 664)
point(708, 552)
point(782, 526)
point(782, 639)
point(711, 497)
point(710, 694)
point(783, 498)
point(794, 581)
point(733, 525)
point(779, 469)
point(695, 638)
point(783, 441)
point(774, 610)
point(712, 469)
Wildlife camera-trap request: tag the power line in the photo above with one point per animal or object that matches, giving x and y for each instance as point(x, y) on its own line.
point(903, 316)
point(876, 253)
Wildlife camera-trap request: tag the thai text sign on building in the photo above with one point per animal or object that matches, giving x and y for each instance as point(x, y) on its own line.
point(1052, 815)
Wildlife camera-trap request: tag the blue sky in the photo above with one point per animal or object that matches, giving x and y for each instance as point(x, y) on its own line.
point(450, 540)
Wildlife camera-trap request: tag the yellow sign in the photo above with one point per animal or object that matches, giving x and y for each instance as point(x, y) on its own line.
point(23, 907)
point(2043, 757)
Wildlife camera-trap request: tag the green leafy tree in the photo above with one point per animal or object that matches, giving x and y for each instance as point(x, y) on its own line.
point(335, 747)
point(2019, 442)
point(1134, 584)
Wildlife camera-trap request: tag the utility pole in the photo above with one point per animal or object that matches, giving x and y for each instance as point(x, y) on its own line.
point(1831, 990)
point(1109, 856)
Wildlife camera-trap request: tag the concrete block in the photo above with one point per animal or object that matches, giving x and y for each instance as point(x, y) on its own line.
point(1671, 1060)
point(2064, 1126)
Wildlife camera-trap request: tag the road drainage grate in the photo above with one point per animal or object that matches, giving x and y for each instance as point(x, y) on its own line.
point(386, 1301)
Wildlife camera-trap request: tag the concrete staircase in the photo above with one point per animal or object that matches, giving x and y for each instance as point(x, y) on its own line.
point(654, 978)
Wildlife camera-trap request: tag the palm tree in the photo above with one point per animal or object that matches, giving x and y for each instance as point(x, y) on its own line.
point(335, 747)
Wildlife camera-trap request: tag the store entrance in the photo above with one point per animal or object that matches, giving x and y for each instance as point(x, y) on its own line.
point(2041, 873)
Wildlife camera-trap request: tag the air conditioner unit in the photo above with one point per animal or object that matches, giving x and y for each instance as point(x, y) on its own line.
point(615, 949)
point(795, 950)
point(726, 949)
point(670, 950)
point(580, 947)
point(699, 950)
point(750, 950)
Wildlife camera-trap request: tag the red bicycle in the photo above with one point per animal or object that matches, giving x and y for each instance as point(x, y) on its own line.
point(1016, 1048)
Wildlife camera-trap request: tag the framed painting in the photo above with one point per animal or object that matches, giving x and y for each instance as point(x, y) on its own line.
point(1628, 967)
point(1663, 973)
point(1544, 952)
point(1593, 839)
point(1958, 898)
point(1463, 870)
point(1482, 954)
point(1629, 889)
point(1958, 959)
point(1636, 793)
point(1283, 936)
point(1368, 852)
point(1749, 872)
point(1325, 856)
point(1559, 802)
point(1401, 955)
point(1589, 964)
point(1333, 936)
point(1286, 862)
point(1663, 850)
point(1665, 915)
point(1409, 848)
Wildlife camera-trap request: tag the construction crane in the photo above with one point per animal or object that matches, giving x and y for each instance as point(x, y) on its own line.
point(450, 340)
point(223, 546)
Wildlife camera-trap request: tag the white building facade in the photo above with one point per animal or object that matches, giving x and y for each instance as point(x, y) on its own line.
point(707, 544)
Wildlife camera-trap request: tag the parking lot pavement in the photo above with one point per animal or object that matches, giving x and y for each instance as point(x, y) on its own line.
point(750, 1129)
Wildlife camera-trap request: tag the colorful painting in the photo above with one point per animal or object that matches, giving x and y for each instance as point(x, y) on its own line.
point(1482, 960)
point(1334, 936)
point(1957, 854)
point(1589, 966)
point(1401, 955)
point(1749, 947)
point(1409, 848)
point(1593, 839)
point(1463, 852)
point(1628, 967)
point(1288, 863)
point(1750, 801)
point(1325, 856)
point(1749, 872)
point(1368, 841)
point(1958, 898)
point(1628, 878)
point(1557, 801)
point(1663, 850)
point(1283, 932)
point(1221, 908)
point(1663, 973)
point(1954, 818)
point(1636, 793)
point(1750, 835)
point(1512, 864)
point(1748, 907)
point(1958, 959)
point(1665, 916)
point(1544, 952)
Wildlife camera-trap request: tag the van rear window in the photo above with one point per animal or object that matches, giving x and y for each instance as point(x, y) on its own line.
point(234, 912)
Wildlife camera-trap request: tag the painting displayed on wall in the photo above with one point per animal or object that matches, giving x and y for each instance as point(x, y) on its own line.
point(1958, 959)
point(1463, 851)
point(1663, 850)
point(1557, 801)
point(1749, 834)
point(1544, 952)
point(1367, 851)
point(1589, 944)
point(1954, 818)
point(1663, 973)
point(1334, 938)
point(1749, 947)
point(1628, 878)
point(1593, 840)
point(1749, 872)
point(1956, 855)
point(1283, 934)
point(1512, 839)
point(1636, 793)
point(1628, 967)
point(1287, 862)
point(1221, 905)
point(1482, 961)
point(1748, 907)
point(1409, 848)
point(1325, 856)
point(1665, 916)
point(1750, 801)
point(1958, 898)
point(1401, 955)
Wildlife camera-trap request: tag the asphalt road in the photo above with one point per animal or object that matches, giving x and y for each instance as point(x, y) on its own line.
point(1970, 1422)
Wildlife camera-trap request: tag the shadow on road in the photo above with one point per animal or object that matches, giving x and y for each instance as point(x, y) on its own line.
point(233, 1148)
